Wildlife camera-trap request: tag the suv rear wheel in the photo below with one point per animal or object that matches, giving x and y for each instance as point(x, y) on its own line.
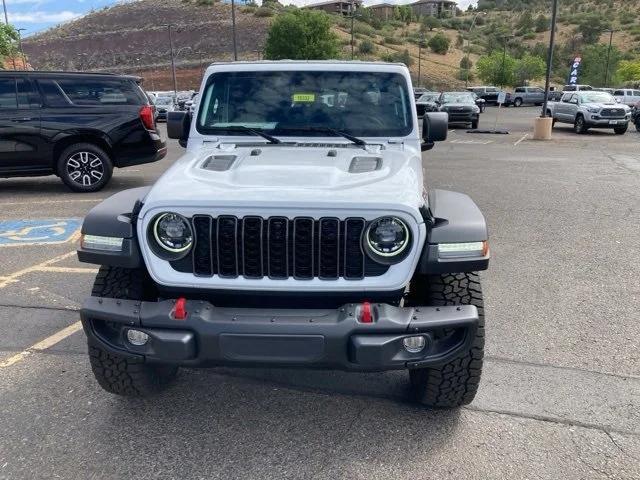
point(455, 383)
point(120, 374)
point(84, 167)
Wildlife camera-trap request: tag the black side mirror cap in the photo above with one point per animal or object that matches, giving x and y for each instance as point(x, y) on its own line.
point(435, 127)
point(178, 126)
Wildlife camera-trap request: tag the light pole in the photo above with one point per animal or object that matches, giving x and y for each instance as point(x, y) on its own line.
point(552, 41)
point(420, 42)
point(173, 62)
point(6, 17)
point(473, 23)
point(24, 58)
point(606, 72)
point(233, 26)
point(353, 16)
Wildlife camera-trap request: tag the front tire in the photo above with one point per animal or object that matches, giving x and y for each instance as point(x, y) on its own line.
point(621, 130)
point(455, 383)
point(122, 374)
point(84, 167)
point(474, 124)
point(517, 102)
point(580, 125)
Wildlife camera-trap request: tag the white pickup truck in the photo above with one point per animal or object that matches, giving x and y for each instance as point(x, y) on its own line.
point(590, 109)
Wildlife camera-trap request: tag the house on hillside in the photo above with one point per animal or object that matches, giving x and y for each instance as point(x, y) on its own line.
point(340, 7)
point(434, 8)
point(383, 11)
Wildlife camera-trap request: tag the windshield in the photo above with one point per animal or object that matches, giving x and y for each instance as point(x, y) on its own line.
point(164, 101)
point(290, 102)
point(457, 97)
point(597, 97)
point(429, 97)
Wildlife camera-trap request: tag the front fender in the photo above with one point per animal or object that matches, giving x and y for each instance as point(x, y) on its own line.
point(115, 217)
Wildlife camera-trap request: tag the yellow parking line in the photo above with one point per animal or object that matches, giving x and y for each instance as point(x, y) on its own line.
point(12, 278)
point(67, 270)
point(43, 344)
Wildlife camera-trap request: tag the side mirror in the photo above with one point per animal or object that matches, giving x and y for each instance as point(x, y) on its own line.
point(435, 127)
point(178, 126)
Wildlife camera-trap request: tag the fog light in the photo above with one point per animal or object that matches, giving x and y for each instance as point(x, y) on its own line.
point(137, 338)
point(414, 344)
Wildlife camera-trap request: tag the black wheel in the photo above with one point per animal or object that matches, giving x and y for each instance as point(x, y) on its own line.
point(120, 374)
point(638, 126)
point(621, 130)
point(455, 383)
point(84, 167)
point(517, 102)
point(474, 124)
point(580, 126)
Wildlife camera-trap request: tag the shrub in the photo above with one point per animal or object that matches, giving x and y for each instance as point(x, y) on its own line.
point(366, 47)
point(439, 43)
point(391, 41)
point(264, 12)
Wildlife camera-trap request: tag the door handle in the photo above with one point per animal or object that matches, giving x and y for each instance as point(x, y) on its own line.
point(23, 119)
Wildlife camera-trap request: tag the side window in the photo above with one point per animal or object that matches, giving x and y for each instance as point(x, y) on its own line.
point(95, 92)
point(520, 90)
point(8, 98)
point(636, 93)
point(570, 88)
point(619, 93)
point(566, 98)
point(27, 96)
point(52, 94)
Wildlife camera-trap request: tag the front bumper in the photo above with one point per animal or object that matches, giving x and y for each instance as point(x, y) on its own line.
point(463, 117)
point(333, 339)
point(596, 120)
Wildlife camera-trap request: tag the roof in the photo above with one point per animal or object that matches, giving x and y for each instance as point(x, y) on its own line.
point(421, 2)
point(63, 73)
point(381, 5)
point(331, 2)
point(308, 62)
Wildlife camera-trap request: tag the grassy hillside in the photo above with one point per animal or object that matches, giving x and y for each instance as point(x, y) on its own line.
point(133, 37)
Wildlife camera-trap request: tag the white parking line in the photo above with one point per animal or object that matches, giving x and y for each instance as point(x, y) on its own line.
point(67, 270)
point(49, 202)
point(12, 278)
point(523, 137)
point(43, 344)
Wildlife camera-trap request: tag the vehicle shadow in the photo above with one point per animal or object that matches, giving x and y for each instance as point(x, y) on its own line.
point(283, 424)
point(51, 185)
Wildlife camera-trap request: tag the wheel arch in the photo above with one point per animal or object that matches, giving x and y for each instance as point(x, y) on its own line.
point(67, 139)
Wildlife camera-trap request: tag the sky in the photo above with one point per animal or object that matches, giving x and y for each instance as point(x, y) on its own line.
point(37, 15)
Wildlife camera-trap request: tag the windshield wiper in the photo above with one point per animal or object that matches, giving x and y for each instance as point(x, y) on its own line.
point(242, 128)
point(339, 133)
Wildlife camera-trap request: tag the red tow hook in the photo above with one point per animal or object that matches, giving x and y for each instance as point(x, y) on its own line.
point(365, 314)
point(180, 309)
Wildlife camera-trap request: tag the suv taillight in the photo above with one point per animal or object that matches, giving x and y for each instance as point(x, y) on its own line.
point(146, 115)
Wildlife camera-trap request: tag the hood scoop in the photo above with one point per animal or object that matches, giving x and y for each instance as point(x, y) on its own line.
point(218, 163)
point(365, 164)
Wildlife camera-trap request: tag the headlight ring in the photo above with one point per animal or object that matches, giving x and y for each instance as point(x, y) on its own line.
point(387, 239)
point(171, 236)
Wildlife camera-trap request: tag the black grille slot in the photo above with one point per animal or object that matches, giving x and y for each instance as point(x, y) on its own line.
point(202, 264)
point(303, 236)
point(278, 247)
point(353, 253)
point(329, 248)
point(252, 247)
point(227, 246)
point(277, 241)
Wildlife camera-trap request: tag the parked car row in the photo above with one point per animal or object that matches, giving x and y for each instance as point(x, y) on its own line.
point(462, 107)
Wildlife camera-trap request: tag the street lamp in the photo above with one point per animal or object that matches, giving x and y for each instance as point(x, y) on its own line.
point(552, 41)
point(473, 23)
point(420, 42)
point(504, 57)
point(606, 72)
point(233, 26)
point(173, 61)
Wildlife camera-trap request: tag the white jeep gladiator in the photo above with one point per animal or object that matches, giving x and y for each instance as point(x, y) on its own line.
point(295, 231)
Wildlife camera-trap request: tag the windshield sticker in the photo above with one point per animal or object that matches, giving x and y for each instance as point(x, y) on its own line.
point(304, 97)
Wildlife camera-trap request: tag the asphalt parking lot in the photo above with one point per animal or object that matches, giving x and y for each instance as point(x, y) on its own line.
point(560, 395)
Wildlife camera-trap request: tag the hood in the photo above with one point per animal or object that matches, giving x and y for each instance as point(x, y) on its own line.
point(457, 105)
point(606, 105)
point(292, 176)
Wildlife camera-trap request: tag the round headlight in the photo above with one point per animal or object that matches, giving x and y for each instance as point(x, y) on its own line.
point(387, 238)
point(172, 233)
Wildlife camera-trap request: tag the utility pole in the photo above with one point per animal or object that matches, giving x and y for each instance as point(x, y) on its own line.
point(504, 60)
point(233, 26)
point(24, 58)
point(352, 10)
point(466, 81)
point(606, 72)
point(201, 65)
point(552, 42)
point(173, 63)
point(420, 60)
point(6, 21)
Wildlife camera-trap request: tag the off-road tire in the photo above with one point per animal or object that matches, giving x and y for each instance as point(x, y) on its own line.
point(580, 126)
point(474, 125)
point(638, 126)
point(72, 154)
point(621, 130)
point(455, 383)
point(121, 374)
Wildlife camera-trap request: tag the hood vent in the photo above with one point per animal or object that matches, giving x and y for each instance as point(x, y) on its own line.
point(218, 163)
point(365, 164)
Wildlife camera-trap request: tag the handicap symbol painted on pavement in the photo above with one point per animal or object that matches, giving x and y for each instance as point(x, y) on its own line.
point(34, 232)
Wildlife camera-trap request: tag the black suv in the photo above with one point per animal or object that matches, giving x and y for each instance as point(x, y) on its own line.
point(78, 126)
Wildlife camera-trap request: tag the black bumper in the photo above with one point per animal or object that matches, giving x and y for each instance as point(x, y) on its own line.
point(332, 339)
point(463, 117)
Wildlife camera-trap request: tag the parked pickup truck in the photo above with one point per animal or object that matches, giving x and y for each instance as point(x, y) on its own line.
point(528, 96)
point(590, 109)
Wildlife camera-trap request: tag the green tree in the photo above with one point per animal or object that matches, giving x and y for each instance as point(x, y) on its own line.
point(8, 40)
point(528, 68)
point(497, 69)
point(629, 71)
point(591, 27)
point(439, 43)
point(525, 24)
point(301, 35)
point(466, 63)
point(594, 65)
point(429, 23)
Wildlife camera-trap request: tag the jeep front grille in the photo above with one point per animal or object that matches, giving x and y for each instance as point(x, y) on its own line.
point(278, 248)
